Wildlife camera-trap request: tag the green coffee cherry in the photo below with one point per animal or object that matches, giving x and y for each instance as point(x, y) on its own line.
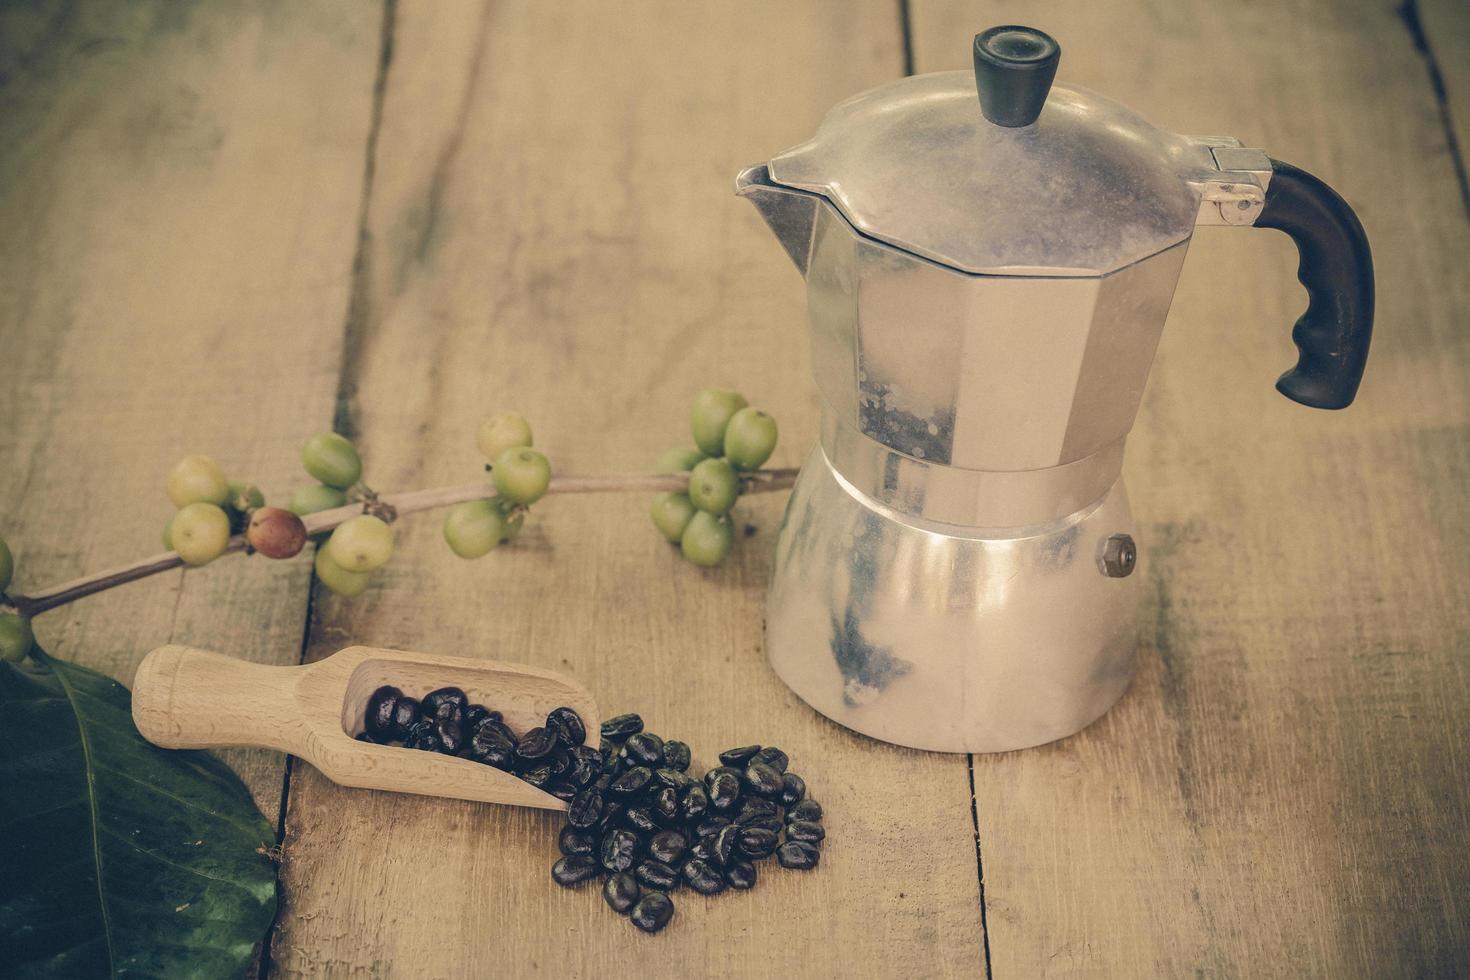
point(671, 513)
point(7, 565)
point(310, 500)
point(473, 529)
point(713, 409)
point(678, 461)
point(508, 430)
point(750, 438)
point(331, 459)
point(361, 544)
point(713, 486)
point(168, 533)
point(521, 475)
point(245, 496)
point(707, 539)
point(15, 638)
point(197, 479)
point(200, 533)
point(338, 579)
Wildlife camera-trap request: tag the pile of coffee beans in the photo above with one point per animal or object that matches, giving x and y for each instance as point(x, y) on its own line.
point(650, 827)
point(552, 758)
point(634, 814)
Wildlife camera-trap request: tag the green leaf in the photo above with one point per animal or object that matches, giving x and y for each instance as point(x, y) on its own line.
point(119, 858)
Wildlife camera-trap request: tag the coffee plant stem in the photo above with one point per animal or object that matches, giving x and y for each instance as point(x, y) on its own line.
point(409, 502)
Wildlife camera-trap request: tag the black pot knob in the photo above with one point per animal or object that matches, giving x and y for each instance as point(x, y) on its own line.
point(1014, 69)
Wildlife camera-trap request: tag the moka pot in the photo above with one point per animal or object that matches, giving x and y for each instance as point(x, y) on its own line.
point(987, 279)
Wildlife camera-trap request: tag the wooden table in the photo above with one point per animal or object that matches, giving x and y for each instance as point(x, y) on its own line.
point(226, 225)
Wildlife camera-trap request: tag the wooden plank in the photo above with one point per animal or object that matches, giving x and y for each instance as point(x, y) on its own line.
point(553, 229)
point(1283, 790)
point(178, 197)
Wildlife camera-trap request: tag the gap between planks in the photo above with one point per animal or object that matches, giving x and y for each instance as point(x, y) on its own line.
point(341, 421)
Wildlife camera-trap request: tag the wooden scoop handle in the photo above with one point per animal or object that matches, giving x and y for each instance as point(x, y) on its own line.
point(185, 698)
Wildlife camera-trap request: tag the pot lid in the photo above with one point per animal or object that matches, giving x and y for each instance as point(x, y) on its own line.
point(1028, 179)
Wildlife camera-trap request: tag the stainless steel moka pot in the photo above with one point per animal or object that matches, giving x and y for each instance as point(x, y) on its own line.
point(987, 279)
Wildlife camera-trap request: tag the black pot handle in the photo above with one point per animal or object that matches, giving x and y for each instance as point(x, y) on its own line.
point(1337, 269)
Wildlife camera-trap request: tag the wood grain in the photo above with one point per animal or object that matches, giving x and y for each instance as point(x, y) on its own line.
point(1283, 791)
point(177, 222)
point(552, 228)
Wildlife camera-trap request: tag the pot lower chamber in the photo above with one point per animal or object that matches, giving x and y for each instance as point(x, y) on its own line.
point(951, 639)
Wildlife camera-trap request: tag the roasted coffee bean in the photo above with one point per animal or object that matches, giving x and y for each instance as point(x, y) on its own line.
point(642, 818)
point(757, 842)
point(585, 810)
point(560, 761)
point(563, 791)
point(762, 779)
point(666, 804)
point(710, 825)
point(693, 803)
point(656, 874)
point(477, 713)
point(793, 789)
point(676, 755)
point(487, 746)
point(423, 734)
point(774, 758)
point(603, 782)
point(451, 735)
point(567, 725)
point(672, 777)
point(573, 870)
point(668, 846)
point(621, 726)
point(724, 791)
point(807, 830)
point(585, 765)
point(538, 777)
point(770, 823)
point(380, 711)
point(645, 749)
point(609, 753)
point(740, 874)
point(757, 808)
point(621, 892)
point(444, 703)
point(807, 809)
point(631, 782)
point(703, 878)
point(704, 848)
point(653, 911)
point(739, 757)
point(574, 841)
point(798, 855)
point(714, 773)
point(612, 813)
point(535, 748)
point(405, 713)
point(723, 846)
point(619, 849)
point(496, 726)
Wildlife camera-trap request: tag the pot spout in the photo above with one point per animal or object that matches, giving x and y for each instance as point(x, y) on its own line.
point(790, 213)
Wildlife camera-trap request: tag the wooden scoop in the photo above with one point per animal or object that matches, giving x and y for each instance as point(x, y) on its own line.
point(193, 699)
